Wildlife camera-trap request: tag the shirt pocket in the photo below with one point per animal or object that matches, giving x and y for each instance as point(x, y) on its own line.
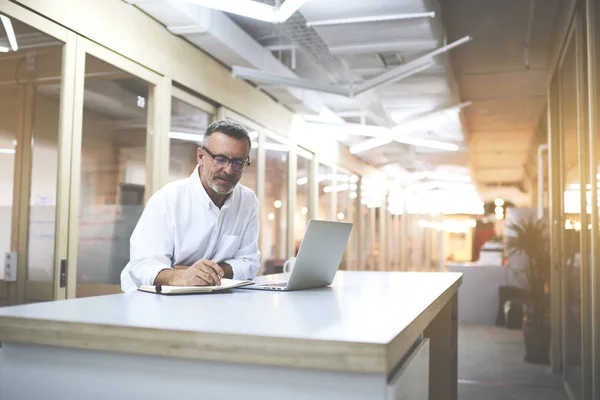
point(228, 246)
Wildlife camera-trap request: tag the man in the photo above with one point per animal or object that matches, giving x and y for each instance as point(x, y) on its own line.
point(198, 230)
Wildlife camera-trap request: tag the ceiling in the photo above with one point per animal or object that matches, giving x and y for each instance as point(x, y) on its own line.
point(503, 79)
point(506, 79)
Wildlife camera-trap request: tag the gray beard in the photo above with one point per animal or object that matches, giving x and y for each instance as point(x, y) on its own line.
point(217, 189)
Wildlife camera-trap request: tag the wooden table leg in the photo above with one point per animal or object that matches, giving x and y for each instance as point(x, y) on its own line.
point(443, 364)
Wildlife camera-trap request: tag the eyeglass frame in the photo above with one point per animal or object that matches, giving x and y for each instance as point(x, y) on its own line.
point(231, 161)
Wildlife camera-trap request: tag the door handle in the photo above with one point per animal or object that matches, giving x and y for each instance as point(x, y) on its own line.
point(63, 273)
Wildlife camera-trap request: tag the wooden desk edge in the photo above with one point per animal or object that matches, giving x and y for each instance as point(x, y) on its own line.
point(238, 349)
point(402, 343)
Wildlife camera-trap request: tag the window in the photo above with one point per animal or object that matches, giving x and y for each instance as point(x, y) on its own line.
point(302, 198)
point(274, 229)
point(29, 113)
point(188, 124)
point(325, 179)
point(250, 174)
point(345, 191)
point(113, 169)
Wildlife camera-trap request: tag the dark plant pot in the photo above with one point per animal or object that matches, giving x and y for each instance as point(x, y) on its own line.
point(513, 314)
point(506, 293)
point(537, 342)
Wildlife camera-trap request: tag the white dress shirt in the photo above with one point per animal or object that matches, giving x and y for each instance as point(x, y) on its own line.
point(181, 225)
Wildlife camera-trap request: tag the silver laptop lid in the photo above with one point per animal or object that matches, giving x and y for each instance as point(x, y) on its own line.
point(320, 254)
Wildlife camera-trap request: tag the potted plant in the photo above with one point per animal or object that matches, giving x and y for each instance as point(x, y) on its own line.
point(528, 237)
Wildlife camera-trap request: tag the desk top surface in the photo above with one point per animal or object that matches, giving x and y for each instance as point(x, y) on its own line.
point(364, 311)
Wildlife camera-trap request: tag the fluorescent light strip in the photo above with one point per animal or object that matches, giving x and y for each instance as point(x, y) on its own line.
point(375, 18)
point(348, 129)
point(380, 47)
point(4, 49)
point(369, 144)
point(7, 151)
point(376, 142)
point(392, 76)
point(190, 137)
point(433, 144)
point(10, 32)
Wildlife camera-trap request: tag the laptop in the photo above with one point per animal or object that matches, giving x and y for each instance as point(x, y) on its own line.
point(317, 261)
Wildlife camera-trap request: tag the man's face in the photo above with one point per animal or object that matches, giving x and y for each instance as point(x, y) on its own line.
point(221, 178)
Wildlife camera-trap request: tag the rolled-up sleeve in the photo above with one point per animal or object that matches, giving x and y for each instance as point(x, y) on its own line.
point(151, 246)
point(246, 260)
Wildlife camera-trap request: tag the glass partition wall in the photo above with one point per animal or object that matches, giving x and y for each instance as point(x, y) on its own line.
point(303, 193)
point(127, 131)
point(574, 190)
point(572, 216)
point(275, 205)
point(250, 177)
point(189, 119)
point(113, 170)
point(345, 190)
point(326, 180)
point(32, 102)
point(592, 349)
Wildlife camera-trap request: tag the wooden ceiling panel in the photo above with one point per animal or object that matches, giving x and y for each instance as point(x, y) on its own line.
point(507, 88)
point(501, 141)
point(497, 158)
point(497, 175)
point(498, 29)
point(508, 85)
point(504, 115)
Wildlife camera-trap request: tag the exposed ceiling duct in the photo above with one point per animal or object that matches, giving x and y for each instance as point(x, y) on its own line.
point(218, 35)
point(379, 64)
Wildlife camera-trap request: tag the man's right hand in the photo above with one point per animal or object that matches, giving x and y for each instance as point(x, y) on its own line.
point(202, 273)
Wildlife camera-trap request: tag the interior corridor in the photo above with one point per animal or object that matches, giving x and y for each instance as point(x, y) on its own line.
point(491, 367)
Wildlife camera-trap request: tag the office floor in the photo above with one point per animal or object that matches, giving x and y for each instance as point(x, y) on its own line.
point(491, 367)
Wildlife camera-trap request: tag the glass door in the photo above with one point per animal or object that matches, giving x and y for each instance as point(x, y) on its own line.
point(573, 214)
point(116, 153)
point(36, 82)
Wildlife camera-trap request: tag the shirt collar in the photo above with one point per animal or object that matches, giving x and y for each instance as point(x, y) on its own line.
point(201, 191)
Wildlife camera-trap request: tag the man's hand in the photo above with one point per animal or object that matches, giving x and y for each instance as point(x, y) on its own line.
point(202, 273)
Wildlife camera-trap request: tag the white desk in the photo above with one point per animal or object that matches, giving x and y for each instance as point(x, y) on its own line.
point(359, 339)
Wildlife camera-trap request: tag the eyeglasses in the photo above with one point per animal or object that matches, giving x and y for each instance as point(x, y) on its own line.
point(223, 161)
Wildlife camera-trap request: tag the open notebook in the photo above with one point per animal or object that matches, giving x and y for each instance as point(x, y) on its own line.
point(164, 289)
